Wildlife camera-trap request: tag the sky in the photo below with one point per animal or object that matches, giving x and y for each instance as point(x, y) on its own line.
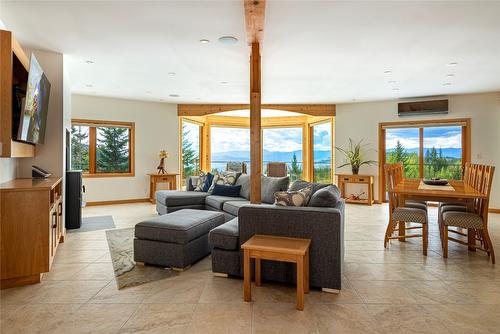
point(439, 137)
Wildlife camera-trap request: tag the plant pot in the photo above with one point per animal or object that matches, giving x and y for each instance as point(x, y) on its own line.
point(355, 170)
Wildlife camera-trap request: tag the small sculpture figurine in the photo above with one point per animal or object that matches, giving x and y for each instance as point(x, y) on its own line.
point(356, 197)
point(161, 167)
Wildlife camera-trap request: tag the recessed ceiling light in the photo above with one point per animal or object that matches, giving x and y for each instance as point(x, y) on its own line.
point(89, 62)
point(395, 88)
point(452, 64)
point(450, 75)
point(228, 40)
point(391, 82)
point(224, 82)
point(447, 84)
point(174, 95)
point(387, 72)
point(88, 85)
point(172, 73)
point(204, 41)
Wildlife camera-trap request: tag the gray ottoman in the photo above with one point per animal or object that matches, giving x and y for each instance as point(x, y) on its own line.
point(177, 239)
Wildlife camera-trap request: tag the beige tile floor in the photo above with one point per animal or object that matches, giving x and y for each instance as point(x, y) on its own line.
point(384, 290)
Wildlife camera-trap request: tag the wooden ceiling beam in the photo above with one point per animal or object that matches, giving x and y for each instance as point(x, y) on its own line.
point(254, 20)
point(209, 109)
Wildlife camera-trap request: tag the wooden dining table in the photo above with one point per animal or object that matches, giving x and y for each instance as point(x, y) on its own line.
point(462, 193)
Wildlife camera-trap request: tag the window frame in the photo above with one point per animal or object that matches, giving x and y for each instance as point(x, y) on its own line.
point(332, 143)
point(200, 146)
point(465, 123)
point(93, 125)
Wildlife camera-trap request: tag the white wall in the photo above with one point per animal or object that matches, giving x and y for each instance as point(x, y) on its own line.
point(8, 168)
point(360, 121)
point(156, 128)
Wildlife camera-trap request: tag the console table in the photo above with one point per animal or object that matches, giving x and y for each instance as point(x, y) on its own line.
point(32, 228)
point(343, 179)
point(154, 179)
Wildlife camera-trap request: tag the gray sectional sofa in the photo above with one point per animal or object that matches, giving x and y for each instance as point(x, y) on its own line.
point(323, 225)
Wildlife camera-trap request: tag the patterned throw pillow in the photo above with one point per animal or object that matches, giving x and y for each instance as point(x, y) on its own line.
point(201, 184)
point(293, 198)
point(226, 178)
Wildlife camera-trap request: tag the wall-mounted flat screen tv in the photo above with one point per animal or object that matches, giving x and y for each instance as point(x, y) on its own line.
point(34, 111)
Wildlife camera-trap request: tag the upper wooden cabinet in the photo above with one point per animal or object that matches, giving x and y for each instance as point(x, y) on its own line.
point(14, 66)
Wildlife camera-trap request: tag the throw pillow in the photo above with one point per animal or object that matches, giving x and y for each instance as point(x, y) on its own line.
point(293, 198)
point(244, 182)
point(204, 181)
point(299, 184)
point(271, 185)
point(228, 191)
point(326, 197)
point(226, 178)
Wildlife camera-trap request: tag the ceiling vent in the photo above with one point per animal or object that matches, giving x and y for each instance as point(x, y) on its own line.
point(423, 108)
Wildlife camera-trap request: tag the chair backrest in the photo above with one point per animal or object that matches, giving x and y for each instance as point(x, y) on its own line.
point(484, 186)
point(393, 175)
point(236, 166)
point(277, 169)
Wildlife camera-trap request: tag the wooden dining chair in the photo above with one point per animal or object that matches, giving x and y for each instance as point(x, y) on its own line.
point(277, 169)
point(400, 215)
point(475, 222)
point(399, 174)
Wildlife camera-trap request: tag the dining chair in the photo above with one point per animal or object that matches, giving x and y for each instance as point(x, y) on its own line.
point(398, 168)
point(475, 222)
point(277, 169)
point(400, 215)
point(236, 166)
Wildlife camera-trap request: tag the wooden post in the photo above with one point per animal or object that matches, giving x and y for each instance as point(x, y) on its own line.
point(255, 125)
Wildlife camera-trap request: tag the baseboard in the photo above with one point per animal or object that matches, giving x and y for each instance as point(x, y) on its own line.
point(119, 201)
point(493, 210)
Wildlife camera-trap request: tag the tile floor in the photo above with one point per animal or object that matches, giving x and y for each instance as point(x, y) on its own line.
point(394, 290)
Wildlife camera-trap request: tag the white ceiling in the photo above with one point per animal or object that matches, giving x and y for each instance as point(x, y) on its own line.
point(313, 52)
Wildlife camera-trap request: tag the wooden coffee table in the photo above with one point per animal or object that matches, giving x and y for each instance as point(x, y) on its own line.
point(266, 247)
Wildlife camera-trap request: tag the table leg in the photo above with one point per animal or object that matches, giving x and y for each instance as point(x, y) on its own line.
point(247, 293)
point(300, 283)
point(174, 183)
point(306, 272)
point(258, 281)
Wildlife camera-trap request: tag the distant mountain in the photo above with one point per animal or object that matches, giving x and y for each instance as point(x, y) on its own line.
point(448, 152)
point(268, 156)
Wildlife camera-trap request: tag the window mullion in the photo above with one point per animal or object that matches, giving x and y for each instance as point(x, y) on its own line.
point(421, 152)
point(92, 150)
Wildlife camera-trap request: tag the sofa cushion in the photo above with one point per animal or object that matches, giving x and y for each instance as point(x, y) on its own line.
point(179, 227)
point(325, 197)
point(233, 207)
point(299, 184)
point(179, 197)
point(271, 185)
point(226, 190)
point(225, 236)
point(293, 198)
point(244, 182)
point(217, 202)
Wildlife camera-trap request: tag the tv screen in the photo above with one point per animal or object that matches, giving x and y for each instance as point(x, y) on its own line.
point(35, 107)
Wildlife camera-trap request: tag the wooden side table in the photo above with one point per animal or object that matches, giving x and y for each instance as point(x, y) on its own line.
point(266, 247)
point(343, 179)
point(154, 179)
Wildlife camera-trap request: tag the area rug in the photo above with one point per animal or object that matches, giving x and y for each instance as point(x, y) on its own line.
point(121, 247)
point(95, 224)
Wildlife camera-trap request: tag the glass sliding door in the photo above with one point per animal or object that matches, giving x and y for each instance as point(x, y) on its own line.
point(190, 149)
point(283, 145)
point(442, 148)
point(322, 152)
point(229, 144)
point(403, 145)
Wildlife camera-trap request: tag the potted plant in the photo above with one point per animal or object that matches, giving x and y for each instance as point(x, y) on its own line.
point(353, 156)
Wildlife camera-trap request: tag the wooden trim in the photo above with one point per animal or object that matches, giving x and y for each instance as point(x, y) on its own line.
point(381, 162)
point(119, 201)
point(416, 123)
point(307, 153)
point(255, 125)
point(19, 52)
point(421, 152)
point(131, 148)
point(208, 109)
point(92, 150)
point(181, 161)
point(254, 20)
point(494, 210)
point(97, 123)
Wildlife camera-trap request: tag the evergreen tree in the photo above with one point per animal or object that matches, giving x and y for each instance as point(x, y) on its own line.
point(79, 148)
point(400, 154)
point(295, 170)
point(112, 150)
point(190, 159)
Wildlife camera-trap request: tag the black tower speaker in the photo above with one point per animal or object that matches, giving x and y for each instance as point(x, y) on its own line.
point(74, 193)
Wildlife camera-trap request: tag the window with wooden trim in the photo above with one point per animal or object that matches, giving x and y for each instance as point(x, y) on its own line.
point(102, 148)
